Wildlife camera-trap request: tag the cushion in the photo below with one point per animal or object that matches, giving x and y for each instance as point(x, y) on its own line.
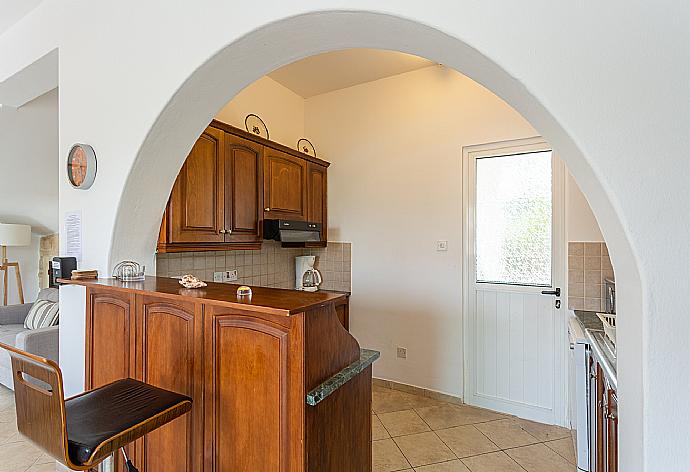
point(50, 294)
point(42, 314)
point(8, 334)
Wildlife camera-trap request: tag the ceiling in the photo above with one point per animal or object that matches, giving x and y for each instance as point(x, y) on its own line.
point(341, 69)
point(11, 11)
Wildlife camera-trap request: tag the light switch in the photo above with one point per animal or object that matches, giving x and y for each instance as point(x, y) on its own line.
point(441, 245)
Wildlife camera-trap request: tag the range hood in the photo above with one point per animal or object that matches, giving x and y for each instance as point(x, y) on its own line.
point(289, 231)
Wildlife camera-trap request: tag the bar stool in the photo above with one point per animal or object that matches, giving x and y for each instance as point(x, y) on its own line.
point(84, 431)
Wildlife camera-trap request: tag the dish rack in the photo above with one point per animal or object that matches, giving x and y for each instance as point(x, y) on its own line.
point(609, 322)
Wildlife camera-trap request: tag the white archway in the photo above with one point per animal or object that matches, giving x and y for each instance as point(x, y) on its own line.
point(217, 80)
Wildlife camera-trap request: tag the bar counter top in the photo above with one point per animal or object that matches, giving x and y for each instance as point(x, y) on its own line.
point(276, 301)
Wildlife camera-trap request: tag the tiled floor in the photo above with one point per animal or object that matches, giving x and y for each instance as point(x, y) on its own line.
point(415, 433)
point(410, 433)
point(16, 454)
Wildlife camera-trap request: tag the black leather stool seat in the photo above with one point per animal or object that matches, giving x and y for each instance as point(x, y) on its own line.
point(103, 420)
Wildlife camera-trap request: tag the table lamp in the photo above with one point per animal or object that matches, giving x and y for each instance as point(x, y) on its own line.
point(12, 235)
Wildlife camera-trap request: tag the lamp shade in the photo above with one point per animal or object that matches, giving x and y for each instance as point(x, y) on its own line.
point(15, 235)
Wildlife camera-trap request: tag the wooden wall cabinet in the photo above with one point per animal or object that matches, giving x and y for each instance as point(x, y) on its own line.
point(195, 213)
point(216, 200)
point(285, 186)
point(230, 182)
point(243, 161)
point(317, 197)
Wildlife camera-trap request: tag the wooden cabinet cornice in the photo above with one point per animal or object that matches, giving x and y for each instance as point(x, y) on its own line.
point(247, 364)
point(230, 182)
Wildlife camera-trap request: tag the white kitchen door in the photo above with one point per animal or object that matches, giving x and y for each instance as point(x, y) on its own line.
point(514, 308)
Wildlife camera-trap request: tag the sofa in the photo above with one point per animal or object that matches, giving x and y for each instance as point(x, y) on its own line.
point(42, 342)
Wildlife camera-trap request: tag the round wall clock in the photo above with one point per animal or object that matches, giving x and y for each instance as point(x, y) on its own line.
point(256, 125)
point(305, 146)
point(81, 166)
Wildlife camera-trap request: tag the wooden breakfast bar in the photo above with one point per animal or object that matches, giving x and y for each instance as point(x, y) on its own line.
point(278, 384)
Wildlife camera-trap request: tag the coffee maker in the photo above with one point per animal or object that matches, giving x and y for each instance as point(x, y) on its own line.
point(306, 277)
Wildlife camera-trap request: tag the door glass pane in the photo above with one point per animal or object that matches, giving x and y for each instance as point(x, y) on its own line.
point(513, 219)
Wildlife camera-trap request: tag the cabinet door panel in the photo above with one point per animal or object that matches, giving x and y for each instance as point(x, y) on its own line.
point(169, 356)
point(243, 190)
point(600, 421)
point(255, 392)
point(317, 203)
point(612, 431)
point(110, 333)
point(196, 202)
point(109, 338)
point(285, 182)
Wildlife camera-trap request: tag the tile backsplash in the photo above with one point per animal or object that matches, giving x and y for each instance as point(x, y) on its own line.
point(588, 266)
point(272, 266)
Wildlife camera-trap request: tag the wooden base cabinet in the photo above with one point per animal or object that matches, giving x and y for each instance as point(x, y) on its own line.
point(247, 372)
point(605, 421)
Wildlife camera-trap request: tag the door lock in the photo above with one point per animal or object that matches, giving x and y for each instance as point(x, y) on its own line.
point(558, 304)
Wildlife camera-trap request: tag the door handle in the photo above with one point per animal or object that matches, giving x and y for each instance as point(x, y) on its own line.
point(556, 292)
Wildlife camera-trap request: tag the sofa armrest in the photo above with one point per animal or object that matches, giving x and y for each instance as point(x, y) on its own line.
point(14, 314)
point(43, 342)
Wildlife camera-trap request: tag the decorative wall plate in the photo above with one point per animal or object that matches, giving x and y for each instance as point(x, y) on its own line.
point(81, 166)
point(256, 125)
point(305, 146)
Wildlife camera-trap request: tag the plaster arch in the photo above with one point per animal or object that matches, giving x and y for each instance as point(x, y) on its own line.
point(240, 63)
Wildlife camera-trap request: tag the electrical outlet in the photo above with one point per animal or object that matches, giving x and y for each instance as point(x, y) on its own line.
point(441, 245)
point(218, 276)
point(402, 353)
point(229, 275)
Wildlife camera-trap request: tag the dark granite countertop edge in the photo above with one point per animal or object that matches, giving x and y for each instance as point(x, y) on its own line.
point(366, 358)
point(589, 320)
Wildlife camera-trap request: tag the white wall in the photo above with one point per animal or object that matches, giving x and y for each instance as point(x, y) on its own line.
point(279, 107)
point(28, 257)
point(29, 164)
point(29, 182)
point(605, 99)
point(381, 156)
point(394, 188)
point(582, 225)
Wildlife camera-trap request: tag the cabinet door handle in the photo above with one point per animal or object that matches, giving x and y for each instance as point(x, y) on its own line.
point(267, 209)
point(228, 231)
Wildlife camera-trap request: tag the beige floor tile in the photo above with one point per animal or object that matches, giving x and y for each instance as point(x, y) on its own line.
point(450, 466)
point(393, 400)
point(466, 441)
point(8, 415)
point(7, 437)
point(492, 462)
point(377, 429)
point(543, 432)
point(387, 457)
point(423, 449)
point(18, 456)
point(506, 433)
point(42, 467)
point(6, 402)
point(447, 416)
point(399, 423)
point(539, 458)
point(565, 448)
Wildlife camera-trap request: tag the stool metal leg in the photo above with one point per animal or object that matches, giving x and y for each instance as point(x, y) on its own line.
point(128, 464)
point(108, 464)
